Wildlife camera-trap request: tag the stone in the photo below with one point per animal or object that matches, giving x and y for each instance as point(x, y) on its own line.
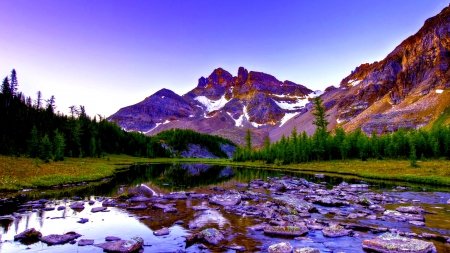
point(98, 209)
point(48, 208)
point(410, 209)
point(122, 246)
point(297, 204)
point(160, 232)
point(28, 235)
point(417, 223)
point(112, 238)
point(403, 216)
point(286, 230)
point(335, 230)
point(329, 201)
point(389, 243)
point(306, 250)
point(139, 199)
point(77, 206)
point(83, 220)
point(228, 199)
point(61, 208)
point(211, 235)
point(282, 247)
point(176, 195)
point(138, 207)
point(54, 239)
point(85, 242)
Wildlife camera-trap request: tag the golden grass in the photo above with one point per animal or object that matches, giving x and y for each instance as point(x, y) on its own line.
point(18, 173)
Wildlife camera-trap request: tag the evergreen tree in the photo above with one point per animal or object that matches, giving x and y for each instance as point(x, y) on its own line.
point(6, 87)
point(38, 102)
point(248, 141)
point(59, 146)
point(14, 83)
point(46, 149)
point(320, 117)
point(92, 148)
point(33, 143)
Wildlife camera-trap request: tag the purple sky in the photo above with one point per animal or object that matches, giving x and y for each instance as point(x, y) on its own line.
point(109, 54)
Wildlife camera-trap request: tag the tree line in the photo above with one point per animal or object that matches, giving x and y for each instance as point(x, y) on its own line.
point(33, 129)
point(323, 145)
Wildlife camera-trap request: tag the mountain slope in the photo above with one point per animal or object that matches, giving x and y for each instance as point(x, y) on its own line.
point(220, 104)
point(409, 88)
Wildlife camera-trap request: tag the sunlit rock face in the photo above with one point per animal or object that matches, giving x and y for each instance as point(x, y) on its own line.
point(220, 104)
point(407, 89)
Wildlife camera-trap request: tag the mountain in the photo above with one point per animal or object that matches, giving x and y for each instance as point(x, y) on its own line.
point(407, 89)
point(221, 104)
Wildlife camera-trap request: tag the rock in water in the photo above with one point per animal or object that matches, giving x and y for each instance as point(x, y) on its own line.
point(282, 247)
point(212, 235)
point(122, 246)
point(286, 230)
point(28, 235)
point(163, 231)
point(85, 242)
point(98, 209)
point(335, 230)
point(228, 199)
point(306, 250)
point(60, 239)
point(389, 242)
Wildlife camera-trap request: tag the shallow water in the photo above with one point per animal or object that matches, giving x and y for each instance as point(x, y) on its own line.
point(159, 179)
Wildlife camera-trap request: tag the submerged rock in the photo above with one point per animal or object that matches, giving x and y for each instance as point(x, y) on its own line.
point(306, 250)
point(28, 235)
point(404, 216)
point(286, 230)
point(389, 242)
point(410, 209)
point(60, 239)
point(176, 195)
point(85, 242)
point(122, 246)
point(112, 238)
point(211, 235)
point(282, 247)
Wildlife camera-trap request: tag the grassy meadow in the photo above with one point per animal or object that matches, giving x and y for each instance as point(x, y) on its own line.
point(19, 173)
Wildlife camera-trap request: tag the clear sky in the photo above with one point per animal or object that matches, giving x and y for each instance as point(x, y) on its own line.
point(109, 54)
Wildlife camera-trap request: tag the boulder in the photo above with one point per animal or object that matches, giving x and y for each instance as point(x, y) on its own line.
point(139, 207)
point(112, 238)
point(139, 199)
point(28, 235)
point(286, 230)
point(211, 235)
point(60, 239)
point(392, 243)
point(228, 199)
point(282, 247)
point(122, 246)
point(335, 230)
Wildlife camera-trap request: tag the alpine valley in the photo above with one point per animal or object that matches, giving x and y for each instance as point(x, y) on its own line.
point(407, 89)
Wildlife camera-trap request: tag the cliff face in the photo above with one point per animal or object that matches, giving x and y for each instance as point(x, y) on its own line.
point(220, 104)
point(408, 89)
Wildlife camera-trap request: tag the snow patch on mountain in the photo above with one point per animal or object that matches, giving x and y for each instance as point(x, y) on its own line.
point(287, 116)
point(292, 106)
point(212, 105)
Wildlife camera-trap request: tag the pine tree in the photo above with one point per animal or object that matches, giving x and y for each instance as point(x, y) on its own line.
point(38, 102)
point(33, 143)
point(46, 149)
point(92, 148)
point(248, 141)
point(50, 107)
point(14, 83)
point(6, 87)
point(59, 146)
point(320, 116)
